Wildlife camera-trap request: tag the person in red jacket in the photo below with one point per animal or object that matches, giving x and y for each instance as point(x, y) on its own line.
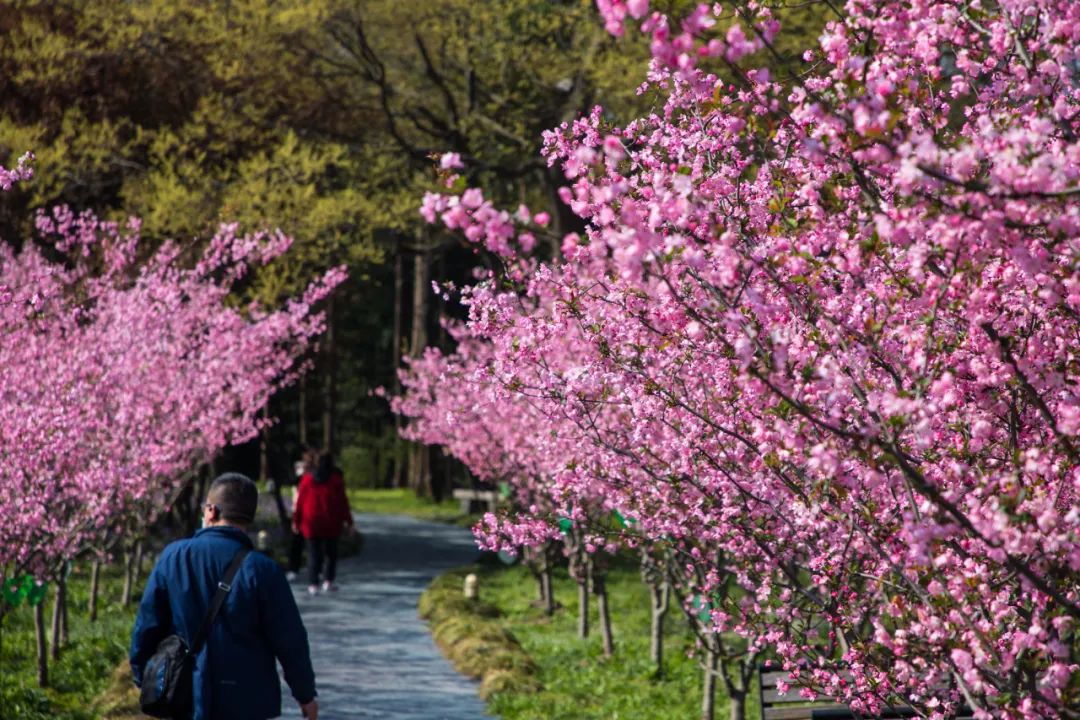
point(320, 514)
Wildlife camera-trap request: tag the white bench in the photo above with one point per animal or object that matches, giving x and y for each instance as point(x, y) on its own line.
point(468, 497)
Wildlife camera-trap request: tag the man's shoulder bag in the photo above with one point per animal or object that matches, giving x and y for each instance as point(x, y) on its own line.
point(166, 682)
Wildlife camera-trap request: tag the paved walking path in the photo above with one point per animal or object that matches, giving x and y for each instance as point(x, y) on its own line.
point(373, 657)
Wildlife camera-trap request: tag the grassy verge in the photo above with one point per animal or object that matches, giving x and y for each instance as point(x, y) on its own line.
point(404, 502)
point(570, 678)
point(85, 665)
point(471, 634)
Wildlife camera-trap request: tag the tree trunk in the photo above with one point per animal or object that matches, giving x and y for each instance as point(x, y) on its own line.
point(708, 693)
point(399, 281)
point(301, 412)
point(746, 669)
point(421, 291)
point(440, 304)
point(202, 484)
point(264, 444)
point(95, 582)
point(540, 565)
point(137, 569)
point(186, 502)
point(440, 491)
point(205, 481)
point(737, 706)
point(195, 494)
point(330, 379)
point(279, 503)
point(535, 562)
point(583, 610)
point(547, 590)
point(427, 478)
point(413, 469)
point(418, 460)
point(129, 569)
point(264, 472)
point(420, 469)
point(600, 590)
point(42, 650)
point(64, 637)
point(57, 619)
point(580, 570)
point(661, 601)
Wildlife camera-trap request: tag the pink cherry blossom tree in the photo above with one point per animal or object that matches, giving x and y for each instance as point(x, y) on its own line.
point(121, 371)
point(821, 339)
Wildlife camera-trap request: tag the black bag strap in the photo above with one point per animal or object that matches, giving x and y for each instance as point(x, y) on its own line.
point(223, 589)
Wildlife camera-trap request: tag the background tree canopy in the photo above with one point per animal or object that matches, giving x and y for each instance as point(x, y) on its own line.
point(320, 118)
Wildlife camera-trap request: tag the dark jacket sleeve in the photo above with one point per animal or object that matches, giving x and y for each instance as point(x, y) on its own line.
point(153, 623)
point(285, 632)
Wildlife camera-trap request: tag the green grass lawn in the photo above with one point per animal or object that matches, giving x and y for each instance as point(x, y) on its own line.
point(577, 682)
point(404, 502)
point(86, 664)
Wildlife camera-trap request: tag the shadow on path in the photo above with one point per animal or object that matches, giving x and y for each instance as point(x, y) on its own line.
point(373, 656)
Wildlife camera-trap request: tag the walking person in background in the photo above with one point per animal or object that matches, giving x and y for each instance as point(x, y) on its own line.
point(321, 514)
point(308, 462)
point(234, 677)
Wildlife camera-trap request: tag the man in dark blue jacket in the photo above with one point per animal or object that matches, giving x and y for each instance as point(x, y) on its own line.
point(235, 675)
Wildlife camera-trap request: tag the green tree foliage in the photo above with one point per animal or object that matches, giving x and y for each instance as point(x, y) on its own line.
point(480, 79)
point(316, 116)
point(185, 114)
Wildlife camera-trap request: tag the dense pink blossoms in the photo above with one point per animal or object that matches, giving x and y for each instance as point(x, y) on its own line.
point(119, 378)
point(821, 340)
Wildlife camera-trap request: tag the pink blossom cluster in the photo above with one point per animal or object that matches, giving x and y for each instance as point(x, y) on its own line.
point(459, 403)
point(24, 170)
point(822, 343)
point(501, 232)
point(749, 27)
point(121, 376)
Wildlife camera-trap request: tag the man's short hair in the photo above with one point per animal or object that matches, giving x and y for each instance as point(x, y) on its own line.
point(236, 497)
